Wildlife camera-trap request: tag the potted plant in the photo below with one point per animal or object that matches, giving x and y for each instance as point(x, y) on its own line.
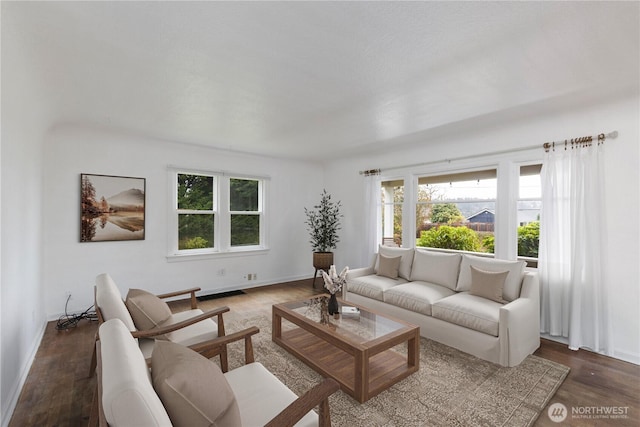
point(323, 223)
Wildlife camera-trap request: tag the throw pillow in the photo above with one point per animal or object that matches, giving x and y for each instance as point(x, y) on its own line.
point(388, 267)
point(147, 310)
point(405, 263)
point(193, 389)
point(513, 283)
point(488, 284)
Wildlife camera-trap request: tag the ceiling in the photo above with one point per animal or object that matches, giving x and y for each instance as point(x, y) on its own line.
point(314, 80)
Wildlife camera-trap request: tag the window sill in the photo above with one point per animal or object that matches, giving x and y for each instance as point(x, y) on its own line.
point(242, 252)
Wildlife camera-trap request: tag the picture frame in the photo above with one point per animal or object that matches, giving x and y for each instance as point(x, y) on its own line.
point(112, 208)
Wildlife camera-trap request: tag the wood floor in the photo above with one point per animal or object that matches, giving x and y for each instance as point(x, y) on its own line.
point(58, 391)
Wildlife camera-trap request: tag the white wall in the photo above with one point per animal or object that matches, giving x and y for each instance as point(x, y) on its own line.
point(72, 266)
point(563, 118)
point(24, 122)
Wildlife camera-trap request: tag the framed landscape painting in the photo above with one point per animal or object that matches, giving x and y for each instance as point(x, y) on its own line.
point(112, 208)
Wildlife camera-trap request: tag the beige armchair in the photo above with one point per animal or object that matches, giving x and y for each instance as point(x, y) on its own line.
point(185, 389)
point(149, 318)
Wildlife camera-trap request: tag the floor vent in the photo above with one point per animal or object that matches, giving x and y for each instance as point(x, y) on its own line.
point(220, 295)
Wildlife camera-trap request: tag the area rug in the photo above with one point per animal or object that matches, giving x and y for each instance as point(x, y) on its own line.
point(451, 388)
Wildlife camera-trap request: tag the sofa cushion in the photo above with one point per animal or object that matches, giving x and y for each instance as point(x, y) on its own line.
point(512, 284)
point(128, 397)
point(147, 310)
point(416, 296)
point(193, 389)
point(199, 332)
point(372, 286)
point(470, 311)
point(388, 267)
point(109, 300)
point(436, 267)
point(405, 263)
point(488, 284)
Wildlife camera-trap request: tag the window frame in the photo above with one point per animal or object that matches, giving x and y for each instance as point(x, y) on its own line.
point(507, 165)
point(259, 212)
point(487, 171)
point(222, 216)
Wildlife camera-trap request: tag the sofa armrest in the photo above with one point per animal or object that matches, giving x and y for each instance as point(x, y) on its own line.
point(520, 323)
point(317, 396)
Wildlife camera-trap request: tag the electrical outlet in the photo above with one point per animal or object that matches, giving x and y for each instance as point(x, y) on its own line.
point(221, 272)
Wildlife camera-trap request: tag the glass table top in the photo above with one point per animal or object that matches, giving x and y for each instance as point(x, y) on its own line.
point(354, 323)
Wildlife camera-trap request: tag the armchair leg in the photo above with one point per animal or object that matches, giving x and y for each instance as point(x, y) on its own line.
point(224, 360)
point(94, 358)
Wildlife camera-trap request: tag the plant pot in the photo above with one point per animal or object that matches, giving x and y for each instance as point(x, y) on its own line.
point(322, 260)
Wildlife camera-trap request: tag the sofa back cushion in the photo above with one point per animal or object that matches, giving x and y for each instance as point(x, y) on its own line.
point(193, 389)
point(405, 262)
point(109, 300)
point(512, 284)
point(128, 397)
point(436, 267)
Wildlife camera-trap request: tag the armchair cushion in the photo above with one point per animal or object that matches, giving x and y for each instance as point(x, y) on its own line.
point(204, 330)
point(109, 300)
point(147, 310)
point(128, 397)
point(261, 396)
point(194, 390)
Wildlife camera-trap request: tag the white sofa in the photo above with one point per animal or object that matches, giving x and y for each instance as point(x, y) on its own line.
point(182, 388)
point(440, 292)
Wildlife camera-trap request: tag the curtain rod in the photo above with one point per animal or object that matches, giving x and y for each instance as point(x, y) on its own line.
point(585, 140)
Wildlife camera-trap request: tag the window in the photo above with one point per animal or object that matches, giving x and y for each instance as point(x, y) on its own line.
point(245, 211)
point(392, 200)
point(214, 213)
point(196, 214)
point(457, 211)
point(529, 204)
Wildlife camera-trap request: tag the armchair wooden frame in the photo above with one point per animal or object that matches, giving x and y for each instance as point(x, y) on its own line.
point(318, 396)
point(209, 348)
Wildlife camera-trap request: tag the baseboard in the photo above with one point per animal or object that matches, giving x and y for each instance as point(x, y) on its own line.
point(15, 391)
point(617, 354)
point(627, 357)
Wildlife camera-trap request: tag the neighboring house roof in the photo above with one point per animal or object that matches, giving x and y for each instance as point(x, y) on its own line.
point(482, 216)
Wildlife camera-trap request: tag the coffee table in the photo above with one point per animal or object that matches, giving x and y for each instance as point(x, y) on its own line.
point(356, 350)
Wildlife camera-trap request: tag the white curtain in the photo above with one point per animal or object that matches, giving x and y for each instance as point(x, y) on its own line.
point(574, 300)
point(371, 218)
